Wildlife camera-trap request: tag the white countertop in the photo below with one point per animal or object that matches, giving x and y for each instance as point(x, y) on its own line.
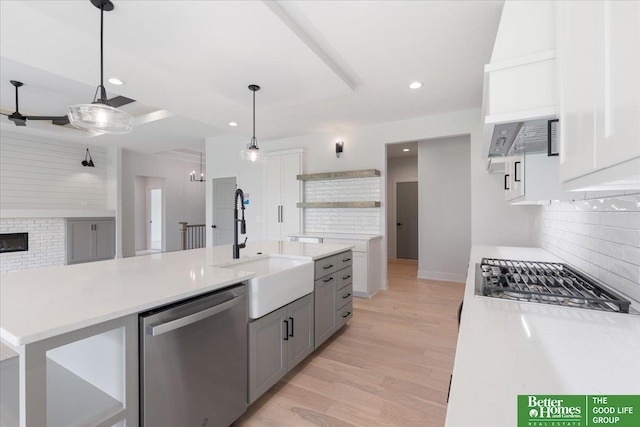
point(340, 236)
point(39, 304)
point(506, 348)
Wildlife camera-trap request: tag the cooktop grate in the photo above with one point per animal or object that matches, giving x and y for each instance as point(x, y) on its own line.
point(547, 282)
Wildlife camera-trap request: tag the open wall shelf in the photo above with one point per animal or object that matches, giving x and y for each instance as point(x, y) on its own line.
point(339, 205)
point(365, 173)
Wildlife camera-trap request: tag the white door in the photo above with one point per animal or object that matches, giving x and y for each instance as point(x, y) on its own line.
point(154, 218)
point(224, 190)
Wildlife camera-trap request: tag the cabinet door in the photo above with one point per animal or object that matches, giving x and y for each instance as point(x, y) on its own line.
point(267, 352)
point(273, 214)
point(291, 168)
point(105, 237)
point(290, 215)
point(579, 24)
point(618, 106)
point(325, 308)
point(80, 241)
point(518, 176)
point(301, 330)
point(360, 272)
point(273, 178)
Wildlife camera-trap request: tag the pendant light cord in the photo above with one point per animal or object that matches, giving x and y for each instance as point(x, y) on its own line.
point(103, 92)
point(254, 114)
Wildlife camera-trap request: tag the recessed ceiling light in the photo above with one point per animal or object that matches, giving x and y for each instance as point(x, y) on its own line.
point(115, 81)
point(405, 149)
point(233, 124)
point(415, 85)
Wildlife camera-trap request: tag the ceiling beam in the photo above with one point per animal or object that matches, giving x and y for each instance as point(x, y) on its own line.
point(286, 19)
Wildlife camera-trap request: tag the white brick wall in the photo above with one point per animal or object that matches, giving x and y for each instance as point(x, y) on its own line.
point(600, 237)
point(353, 220)
point(46, 243)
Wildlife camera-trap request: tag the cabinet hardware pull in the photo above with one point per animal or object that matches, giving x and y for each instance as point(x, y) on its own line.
point(328, 280)
point(291, 334)
point(345, 260)
point(286, 330)
point(515, 172)
point(346, 277)
point(506, 179)
point(326, 267)
point(346, 296)
point(346, 314)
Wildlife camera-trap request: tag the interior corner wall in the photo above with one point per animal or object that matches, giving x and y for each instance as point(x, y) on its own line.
point(399, 169)
point(444, 206)
point(183, 200)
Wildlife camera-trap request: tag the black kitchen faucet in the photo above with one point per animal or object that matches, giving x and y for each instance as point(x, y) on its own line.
point(243, 224)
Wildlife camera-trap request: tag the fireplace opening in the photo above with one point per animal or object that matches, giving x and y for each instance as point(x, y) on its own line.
point(14, 242)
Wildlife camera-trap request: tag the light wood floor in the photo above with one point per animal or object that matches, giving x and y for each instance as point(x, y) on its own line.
point(389, 366)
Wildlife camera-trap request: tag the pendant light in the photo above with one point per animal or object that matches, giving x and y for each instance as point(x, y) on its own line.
point(192, 175)
point(252, 152)
point(99, 116)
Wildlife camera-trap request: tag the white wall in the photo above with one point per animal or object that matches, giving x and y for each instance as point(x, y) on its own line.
point(492, 220)
point(41, 173)
point(184, 200)
point(399, 169)
point(599, 236)
point(444, 206)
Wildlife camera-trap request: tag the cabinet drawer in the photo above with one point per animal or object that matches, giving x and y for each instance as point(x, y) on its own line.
point(344, 296)
point(330, 279)
point(344, 277)
point(344, 260)
point(344, 314)
point(326, 266)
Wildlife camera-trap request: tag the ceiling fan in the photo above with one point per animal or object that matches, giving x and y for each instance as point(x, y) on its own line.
point(21, 120)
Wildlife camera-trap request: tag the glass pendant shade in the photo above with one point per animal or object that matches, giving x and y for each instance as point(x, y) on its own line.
point(100, 118)
point(252, 153)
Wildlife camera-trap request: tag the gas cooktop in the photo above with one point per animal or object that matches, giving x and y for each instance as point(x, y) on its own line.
point(546, 282)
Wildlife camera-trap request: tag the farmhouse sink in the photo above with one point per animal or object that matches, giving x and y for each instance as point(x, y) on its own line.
point(277, 282)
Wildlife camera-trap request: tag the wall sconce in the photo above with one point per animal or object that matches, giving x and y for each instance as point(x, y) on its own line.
point(339, 147)
point(90, 162)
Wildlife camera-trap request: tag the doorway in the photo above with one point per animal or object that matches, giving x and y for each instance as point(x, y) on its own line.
point(407, 220)
point(150, 214)
point(154, 219)
point(224, 190)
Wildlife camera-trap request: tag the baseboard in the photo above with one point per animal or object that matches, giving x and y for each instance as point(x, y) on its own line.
point(442, 276)
point(362, 294)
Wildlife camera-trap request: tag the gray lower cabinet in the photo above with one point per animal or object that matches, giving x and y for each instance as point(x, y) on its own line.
point(278, 342)
point(333, 295)
point(90, 239)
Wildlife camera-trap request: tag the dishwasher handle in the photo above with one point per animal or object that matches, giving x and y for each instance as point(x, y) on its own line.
point(193, 318)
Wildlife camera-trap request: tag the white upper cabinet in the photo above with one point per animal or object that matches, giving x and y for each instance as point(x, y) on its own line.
point(521, 79)
point(599, 87)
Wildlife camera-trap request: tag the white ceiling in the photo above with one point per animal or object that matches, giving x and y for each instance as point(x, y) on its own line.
point(324, 66)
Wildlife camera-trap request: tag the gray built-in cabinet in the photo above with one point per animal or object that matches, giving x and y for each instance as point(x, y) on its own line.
point(283, 338)
point(90, 239)
point(278, 342)
point(333, 295)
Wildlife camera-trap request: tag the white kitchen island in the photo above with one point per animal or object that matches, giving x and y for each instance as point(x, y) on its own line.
point(506, 348)
point(75, 328)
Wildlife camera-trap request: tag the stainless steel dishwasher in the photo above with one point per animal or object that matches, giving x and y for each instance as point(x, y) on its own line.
point(193, 361)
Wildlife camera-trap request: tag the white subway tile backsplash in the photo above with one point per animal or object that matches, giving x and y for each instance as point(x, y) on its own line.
point(599, 236)
point(358, 221)
point(46, 243)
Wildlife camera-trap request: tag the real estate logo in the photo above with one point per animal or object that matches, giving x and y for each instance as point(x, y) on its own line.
point(578, 410)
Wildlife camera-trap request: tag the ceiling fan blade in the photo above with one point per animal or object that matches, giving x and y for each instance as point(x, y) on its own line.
point(119, 101)
point(56, 120)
